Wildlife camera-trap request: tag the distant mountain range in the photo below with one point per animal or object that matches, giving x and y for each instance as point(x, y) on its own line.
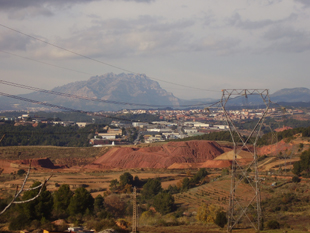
point(112, 92)
point(299, 94)
point(108, 92)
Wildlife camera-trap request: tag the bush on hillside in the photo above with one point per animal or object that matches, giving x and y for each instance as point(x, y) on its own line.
point(273, 224)
point(295, 179)
point(220, 219)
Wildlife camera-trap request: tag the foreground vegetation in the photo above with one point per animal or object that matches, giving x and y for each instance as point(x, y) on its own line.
point(108, 210)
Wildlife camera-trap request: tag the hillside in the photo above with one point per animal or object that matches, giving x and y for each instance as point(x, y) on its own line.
point(299, 94)
point(158, 157)
point(109, 88)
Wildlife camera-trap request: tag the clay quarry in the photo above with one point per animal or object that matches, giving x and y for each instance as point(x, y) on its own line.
point(171, 155)
point(81, 166)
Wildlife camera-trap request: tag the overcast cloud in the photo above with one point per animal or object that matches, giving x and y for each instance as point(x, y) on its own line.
point(214, 44)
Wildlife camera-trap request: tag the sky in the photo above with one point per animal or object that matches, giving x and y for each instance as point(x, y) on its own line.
point(193, 48)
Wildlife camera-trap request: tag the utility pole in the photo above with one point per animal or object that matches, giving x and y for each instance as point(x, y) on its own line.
point(134, 211)
point(244, 211)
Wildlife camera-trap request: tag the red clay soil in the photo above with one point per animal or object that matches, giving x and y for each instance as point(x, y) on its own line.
point(283, 128)
point(44, 163)
point(216, 164)
point(7, 166)
point(10, 166)
point(158, 157)
point(275, 149)
point(183, 165)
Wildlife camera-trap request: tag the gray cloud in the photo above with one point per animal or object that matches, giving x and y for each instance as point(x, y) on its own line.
point(145, 1)
point(306, 3)
point(20, 10)
point(11, 42)
point(221, 46)
point(17, 4)
point(116, 38)
point(287, 39)
point(178, 25)
point(276, 33)
point(237, 21)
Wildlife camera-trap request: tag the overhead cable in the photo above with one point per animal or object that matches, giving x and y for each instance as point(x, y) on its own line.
point(99, 61)
point(76, 110)
point(45, 63)
point(89, 98)
point(65, 108)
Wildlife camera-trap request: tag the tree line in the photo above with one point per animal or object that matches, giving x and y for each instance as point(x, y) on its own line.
point(45, 134)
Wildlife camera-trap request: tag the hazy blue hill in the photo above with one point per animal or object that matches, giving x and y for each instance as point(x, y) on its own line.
point(299, 94)
point(139, 90)
point(129, 88)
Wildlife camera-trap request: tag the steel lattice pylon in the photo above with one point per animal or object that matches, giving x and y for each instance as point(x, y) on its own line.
point(244, 208)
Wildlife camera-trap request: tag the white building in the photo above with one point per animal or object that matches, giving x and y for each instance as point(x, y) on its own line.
point(190, 130)
point(221, 126)
point(200, 124)
point(110, 136)
point(139, 124)
point(82, 124)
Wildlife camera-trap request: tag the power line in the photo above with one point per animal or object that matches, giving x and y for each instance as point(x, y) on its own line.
point(65, 108)
point(45, 63)
point(89, 98)
point(76, 110)
point(99, 61)
point(40, 133)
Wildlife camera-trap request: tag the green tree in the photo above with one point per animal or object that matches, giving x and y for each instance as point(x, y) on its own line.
point(113, 184)
point(164, 203)
point(99, 204)
point(126, 178)
point(200, 175)
point(186, 184)
point(136, 181)
point(220, 219)
point(39, 208)
point(80, 202)
point(303, 165)
point(295, 179)
point(151, 188)
point(62, 198)
point(297, 169)
point(21, 172)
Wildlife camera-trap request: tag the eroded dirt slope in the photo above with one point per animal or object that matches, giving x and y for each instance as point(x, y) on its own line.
point(158, 157)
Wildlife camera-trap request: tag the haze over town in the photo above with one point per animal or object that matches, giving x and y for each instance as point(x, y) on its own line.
point(204, 44)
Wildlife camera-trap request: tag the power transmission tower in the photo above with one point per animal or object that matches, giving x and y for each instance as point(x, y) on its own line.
point(134, 211)
point(244, 209)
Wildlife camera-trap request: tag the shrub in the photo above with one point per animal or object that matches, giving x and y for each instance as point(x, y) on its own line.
point(295, 179)
point(273, 224)
point(207, 213)
point(225, 172)
point(220, 219)
point(149, 218)
point(19, 223)
point(21, 172)
point(104, 223)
